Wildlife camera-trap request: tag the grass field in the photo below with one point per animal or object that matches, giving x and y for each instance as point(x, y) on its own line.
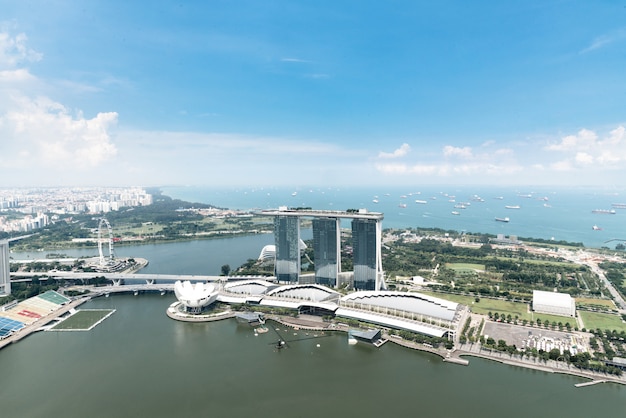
point(592, 301)
point(593, 320)
point(465, 266)
point(83, 320)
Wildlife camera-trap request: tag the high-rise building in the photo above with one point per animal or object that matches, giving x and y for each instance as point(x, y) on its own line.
point(327, 250)
point(287, 240)
point(5, 272)
point(365, 245)
point(367, 240)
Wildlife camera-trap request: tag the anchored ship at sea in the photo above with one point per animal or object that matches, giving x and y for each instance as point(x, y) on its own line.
point(605, 211)
point(506, 219)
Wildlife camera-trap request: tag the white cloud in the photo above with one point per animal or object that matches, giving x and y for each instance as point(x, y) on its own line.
point(504, 152)
point(38, 132)
point(296, 60)
point(563, 165)
point(13, 50)
point(583, 158)
point(587, 148)
point(400, 168)
point(464, 152)
point(43, 132)
point(400, 152)
point(583, 140)
point(617, 135)
point(604, 40)
point(15, 76)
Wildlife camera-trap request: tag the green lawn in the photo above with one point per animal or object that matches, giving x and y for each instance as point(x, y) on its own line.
point(565, 264)
point(465, 266)
point(83, 320)
point(593, 320)
point(593, 301)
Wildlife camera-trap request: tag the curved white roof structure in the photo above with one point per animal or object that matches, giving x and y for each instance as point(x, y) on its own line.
point(196, 295)
point(268, 253)
point(307, 292)
point(415, 303)
point(249, 287)
point(393, 322)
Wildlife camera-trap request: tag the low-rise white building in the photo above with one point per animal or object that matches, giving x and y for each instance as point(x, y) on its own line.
point(554, 303)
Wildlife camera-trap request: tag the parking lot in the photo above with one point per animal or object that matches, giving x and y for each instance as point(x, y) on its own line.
point(539, 338)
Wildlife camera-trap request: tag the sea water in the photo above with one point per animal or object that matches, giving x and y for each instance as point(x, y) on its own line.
point(565, 214)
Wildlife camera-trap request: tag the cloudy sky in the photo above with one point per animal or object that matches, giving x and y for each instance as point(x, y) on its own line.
point(312, 93)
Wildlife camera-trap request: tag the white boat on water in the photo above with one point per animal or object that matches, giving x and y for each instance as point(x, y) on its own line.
point(421, 202)
point(513, 207)
point(454, 212)
point(604, 211)
point(506, 219)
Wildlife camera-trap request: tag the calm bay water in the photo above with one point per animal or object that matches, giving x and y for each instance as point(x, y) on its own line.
point(140, 363)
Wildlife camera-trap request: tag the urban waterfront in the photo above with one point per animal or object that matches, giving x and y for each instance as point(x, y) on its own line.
point(139, 362)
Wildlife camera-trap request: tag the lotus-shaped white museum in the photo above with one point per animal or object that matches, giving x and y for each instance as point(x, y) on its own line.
point(195, 296)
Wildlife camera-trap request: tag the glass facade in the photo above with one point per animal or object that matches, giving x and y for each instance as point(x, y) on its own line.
point(364, 244)
point(5, 279)
point(287, 240)
point(326, 246)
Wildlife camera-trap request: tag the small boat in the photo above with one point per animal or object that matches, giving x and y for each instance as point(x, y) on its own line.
point(512, 206)
point(506, 219)
point(596, 228)
point(375, 201)
point(454, 212)
point(421, 202)
point(402, 205)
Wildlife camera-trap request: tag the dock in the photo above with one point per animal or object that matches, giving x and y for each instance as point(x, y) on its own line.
point(593, 382)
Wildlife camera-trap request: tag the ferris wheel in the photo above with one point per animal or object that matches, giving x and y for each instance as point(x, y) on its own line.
point(106, 223)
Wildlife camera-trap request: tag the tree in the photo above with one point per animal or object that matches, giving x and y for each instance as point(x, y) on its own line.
point(225, 270)
point(554, 354)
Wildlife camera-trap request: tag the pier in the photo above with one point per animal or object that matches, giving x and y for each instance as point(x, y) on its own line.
point(593, 382)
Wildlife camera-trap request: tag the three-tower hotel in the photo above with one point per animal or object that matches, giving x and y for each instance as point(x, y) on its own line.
point(366, 247)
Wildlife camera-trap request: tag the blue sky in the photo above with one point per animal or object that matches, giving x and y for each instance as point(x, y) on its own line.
point(312, 93)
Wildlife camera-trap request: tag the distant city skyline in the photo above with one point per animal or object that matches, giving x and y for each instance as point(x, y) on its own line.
point(322, 93)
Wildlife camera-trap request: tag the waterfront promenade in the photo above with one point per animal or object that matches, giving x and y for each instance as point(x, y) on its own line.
point(463, 351)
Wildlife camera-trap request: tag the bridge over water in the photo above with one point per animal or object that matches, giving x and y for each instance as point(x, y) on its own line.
point(118, 278)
